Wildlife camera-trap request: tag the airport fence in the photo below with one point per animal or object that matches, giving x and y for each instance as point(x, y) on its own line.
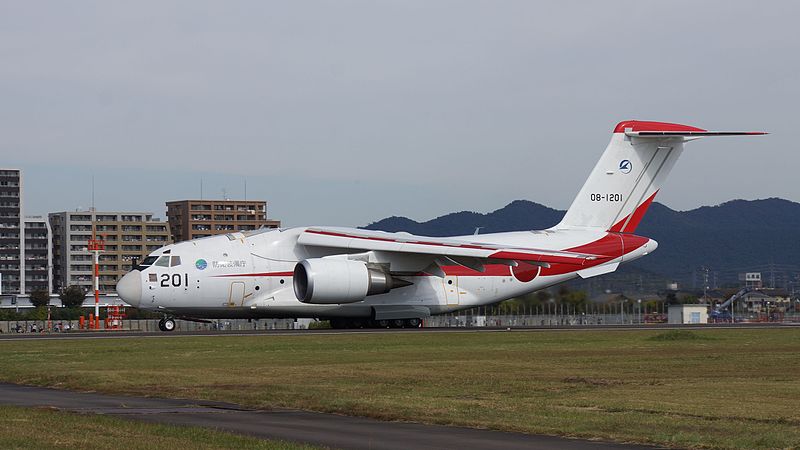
point(463, 319)
point(145, 325)
point(474, 318)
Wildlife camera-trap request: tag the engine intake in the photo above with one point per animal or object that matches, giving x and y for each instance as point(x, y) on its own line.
point(335, 281)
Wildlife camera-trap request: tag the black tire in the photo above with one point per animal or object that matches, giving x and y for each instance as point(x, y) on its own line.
point(381, 324)
point(169, 324)
point(397, 323)
point(358, 323)
point(338, 324)
point(413, 323)
point(161, 325)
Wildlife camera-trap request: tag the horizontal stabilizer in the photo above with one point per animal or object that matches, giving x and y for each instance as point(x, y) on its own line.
point(602, 269)
point(692, 133)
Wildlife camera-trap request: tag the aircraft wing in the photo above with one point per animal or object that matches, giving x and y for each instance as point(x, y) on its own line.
point(408, 243)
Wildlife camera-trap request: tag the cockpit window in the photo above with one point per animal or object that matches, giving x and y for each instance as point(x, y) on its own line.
point(148, 261)
point(249, 233)
point(163, 261)
point(176, 261)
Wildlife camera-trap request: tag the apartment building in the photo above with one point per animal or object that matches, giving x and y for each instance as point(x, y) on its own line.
point(38, 260)
point(12, 249)
point(128, 236)
point(191, 219)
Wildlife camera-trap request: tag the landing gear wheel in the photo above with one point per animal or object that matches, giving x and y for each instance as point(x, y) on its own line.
point(161, 325)
point(338, 324)
point(413, 323)
point(397, 323)
point(382, 324)
point(357, 323)
point(169, 324)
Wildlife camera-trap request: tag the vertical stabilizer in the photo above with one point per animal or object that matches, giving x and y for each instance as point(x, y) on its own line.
point(630, 173)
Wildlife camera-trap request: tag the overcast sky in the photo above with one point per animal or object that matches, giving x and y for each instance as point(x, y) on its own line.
point(345, 112)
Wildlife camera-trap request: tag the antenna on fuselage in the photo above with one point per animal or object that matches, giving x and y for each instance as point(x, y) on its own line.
point(477, 231)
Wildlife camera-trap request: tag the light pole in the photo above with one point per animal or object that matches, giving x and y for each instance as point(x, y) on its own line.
point(639, 302)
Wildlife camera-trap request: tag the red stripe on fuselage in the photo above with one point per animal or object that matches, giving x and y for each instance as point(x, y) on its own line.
point(539, 257)
point(264, 274)
point(611, 246)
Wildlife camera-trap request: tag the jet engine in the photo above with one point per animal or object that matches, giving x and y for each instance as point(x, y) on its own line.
point(334, 281)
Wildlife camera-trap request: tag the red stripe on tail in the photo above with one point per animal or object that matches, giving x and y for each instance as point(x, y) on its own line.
point(637, 215)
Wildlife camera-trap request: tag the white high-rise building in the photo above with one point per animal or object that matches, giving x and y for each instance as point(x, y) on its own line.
point(25, 249)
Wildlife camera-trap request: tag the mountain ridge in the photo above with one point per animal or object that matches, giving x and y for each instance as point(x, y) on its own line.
point(736, 235)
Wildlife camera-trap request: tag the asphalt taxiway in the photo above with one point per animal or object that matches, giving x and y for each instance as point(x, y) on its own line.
point(332, 430)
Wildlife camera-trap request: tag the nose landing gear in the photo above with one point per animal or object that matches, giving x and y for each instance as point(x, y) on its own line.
point(166, 324)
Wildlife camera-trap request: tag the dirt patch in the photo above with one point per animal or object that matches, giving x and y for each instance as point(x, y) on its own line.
point(592, 381)
point(678, 335)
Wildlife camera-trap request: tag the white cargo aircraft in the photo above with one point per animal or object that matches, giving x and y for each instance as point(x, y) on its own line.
point(360, 278)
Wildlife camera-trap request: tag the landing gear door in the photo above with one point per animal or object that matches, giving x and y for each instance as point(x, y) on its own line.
point(451, 290)
point(236, 294)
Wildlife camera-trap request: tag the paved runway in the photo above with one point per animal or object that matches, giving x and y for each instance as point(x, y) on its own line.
point(316, 428)
point(367, 331)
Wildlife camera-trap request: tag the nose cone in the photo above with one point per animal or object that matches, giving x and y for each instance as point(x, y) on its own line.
point(129, 288)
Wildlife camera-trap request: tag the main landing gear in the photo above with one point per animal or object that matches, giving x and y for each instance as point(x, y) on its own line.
point(166, 324)
point(368, 323)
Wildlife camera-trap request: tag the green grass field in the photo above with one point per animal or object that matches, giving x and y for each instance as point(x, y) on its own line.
point(27, 428)
point(701, 389)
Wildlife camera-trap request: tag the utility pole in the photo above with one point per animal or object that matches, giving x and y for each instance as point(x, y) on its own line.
point(772, 275)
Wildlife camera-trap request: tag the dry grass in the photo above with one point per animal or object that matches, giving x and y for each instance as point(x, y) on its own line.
point(722, 389)
point(26, 428)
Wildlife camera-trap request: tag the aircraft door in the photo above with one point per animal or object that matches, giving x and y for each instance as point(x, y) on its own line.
point(451, 290)
point(236, 297)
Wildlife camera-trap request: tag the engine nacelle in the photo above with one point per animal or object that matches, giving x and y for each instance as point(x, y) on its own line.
point(334, 281)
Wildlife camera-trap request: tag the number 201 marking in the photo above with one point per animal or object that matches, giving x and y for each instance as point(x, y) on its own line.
point(176, 280)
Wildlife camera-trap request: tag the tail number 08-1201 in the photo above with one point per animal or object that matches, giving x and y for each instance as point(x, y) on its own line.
point(174, 280)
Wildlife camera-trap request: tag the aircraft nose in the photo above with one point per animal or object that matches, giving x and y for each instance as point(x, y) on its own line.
point(129, 288)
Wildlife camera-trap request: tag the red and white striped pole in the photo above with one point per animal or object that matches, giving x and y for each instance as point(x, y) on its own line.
point(96, 246)
point(97, 284)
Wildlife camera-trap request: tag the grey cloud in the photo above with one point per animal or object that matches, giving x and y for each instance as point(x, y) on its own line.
point(462, 105)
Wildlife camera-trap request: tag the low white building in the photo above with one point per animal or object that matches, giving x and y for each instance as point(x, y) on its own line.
point(688, 314)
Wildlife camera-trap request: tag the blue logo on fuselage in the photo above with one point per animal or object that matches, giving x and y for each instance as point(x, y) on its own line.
point(625, 166)
point(201, 264)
